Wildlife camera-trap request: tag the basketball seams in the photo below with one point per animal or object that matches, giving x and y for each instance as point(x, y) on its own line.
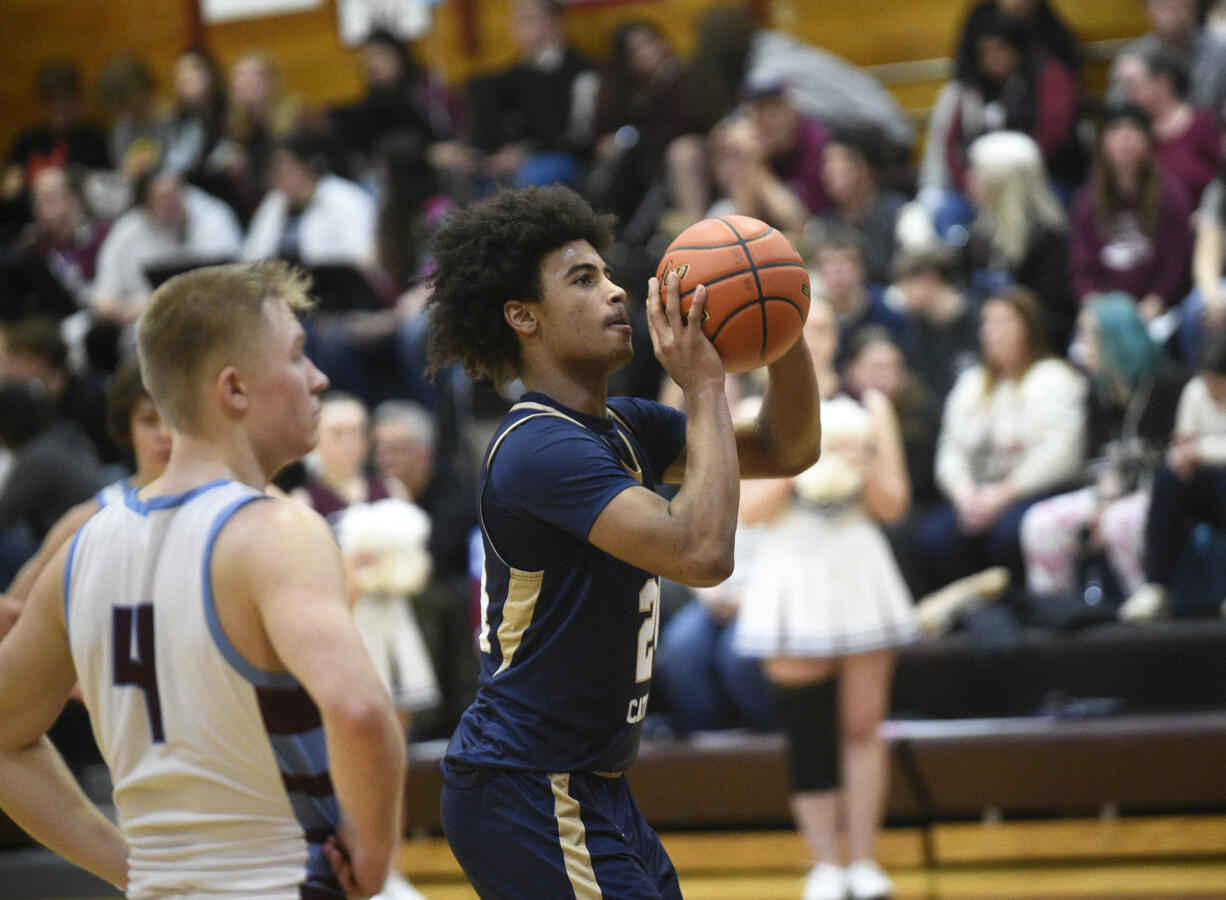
point(753, 267)
point(752, 340)
point(761, 303)
point(739, 242)
point(770, 229)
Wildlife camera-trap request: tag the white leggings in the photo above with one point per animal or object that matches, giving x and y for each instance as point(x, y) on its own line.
point(1052, 540)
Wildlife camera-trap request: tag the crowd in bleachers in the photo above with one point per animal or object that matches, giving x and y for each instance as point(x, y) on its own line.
point(1036, 284)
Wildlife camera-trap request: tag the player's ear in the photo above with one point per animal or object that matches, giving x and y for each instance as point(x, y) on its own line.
point(520, 316)
point(231, 390)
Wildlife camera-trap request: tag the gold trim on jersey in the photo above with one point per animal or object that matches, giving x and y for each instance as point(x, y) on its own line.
point(542, 410)
point(572, 838)
point(635, 471)
point(523, 590)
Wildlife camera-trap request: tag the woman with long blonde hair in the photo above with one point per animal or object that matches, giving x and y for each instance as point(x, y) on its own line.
point(1020, 232)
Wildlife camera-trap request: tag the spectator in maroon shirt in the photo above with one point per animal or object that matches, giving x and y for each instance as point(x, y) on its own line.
point(768, 159)
point(1130, 224)
point(1043, 26)
point(63, 239)
point(340, 463)
point(1185, 138)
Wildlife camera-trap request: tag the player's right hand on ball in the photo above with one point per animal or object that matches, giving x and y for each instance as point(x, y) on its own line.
point(680, 345)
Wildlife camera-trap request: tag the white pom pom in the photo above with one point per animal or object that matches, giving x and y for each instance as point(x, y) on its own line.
point(833, 481)
point(385, 544)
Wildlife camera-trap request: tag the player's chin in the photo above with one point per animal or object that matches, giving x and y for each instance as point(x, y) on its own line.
point(624, 352)
point(308, 442)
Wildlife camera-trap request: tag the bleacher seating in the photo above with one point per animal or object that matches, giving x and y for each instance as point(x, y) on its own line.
point(1114, 716)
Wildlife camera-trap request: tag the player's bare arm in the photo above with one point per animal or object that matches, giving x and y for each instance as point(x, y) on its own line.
point(690, 538)
point(10, 609)
point(59, 535)
point(280, 591)
point(785, 437)
point(37, 790)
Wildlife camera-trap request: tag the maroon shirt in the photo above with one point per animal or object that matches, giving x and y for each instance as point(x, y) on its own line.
point(1057, 105)
point(801, 167)
point(1120, 257)
point(76, 258)
point(1193, 158)
point(327, 503)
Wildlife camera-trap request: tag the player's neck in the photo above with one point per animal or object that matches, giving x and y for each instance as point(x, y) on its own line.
point(585, 395)
point(194, 462)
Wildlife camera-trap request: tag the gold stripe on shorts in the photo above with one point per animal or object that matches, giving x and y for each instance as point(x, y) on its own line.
point(572, 837)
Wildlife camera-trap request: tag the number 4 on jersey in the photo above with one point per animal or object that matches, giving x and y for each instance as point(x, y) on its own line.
point(134, 625)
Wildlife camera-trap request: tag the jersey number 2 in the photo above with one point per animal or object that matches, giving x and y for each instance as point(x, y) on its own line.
point(649, 631)
point(130, 622)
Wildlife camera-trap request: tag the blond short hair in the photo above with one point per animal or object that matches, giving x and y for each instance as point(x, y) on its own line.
point(208, 318)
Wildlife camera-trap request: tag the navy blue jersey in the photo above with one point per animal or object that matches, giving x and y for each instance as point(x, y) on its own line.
point(568, 632)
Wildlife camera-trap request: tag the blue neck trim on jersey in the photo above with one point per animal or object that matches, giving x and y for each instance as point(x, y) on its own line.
point(123, 485)
point(253, 674)
point(167, 501)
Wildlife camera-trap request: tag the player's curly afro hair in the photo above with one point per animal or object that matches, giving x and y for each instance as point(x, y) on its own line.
point(489, 253)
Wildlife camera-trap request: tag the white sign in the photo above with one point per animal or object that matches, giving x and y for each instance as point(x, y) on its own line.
point(227, 10)
point(406, 19)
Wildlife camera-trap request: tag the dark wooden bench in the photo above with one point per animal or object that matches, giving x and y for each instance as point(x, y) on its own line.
point(1156, 666)
point(941, 770)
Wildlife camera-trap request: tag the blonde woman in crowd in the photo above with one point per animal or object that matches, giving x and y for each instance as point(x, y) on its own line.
point(1020, 233)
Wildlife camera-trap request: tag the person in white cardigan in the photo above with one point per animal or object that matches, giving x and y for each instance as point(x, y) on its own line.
point(1013, 431)
point(311, 216)
point(171, 223)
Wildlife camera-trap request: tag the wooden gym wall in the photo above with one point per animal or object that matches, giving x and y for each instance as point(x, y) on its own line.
point(472, 36)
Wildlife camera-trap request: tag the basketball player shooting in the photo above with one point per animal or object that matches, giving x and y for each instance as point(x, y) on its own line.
point(535, 802)
point(253, 748)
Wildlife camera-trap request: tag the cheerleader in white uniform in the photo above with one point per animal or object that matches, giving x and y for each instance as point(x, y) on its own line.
point(825, 607)
point(384, 544)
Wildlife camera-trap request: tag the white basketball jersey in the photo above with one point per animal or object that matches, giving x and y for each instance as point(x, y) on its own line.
point(220, 772)
point(112, 492)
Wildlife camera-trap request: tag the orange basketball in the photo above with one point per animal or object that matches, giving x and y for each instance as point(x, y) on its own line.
point(757, 287)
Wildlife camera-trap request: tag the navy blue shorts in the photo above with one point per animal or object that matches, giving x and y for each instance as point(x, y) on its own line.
point(537, 836)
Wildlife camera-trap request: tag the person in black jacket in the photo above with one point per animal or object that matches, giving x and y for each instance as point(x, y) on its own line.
point(53, 469)
point(396, 101)
point(1043, 27)
point(531, 124)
